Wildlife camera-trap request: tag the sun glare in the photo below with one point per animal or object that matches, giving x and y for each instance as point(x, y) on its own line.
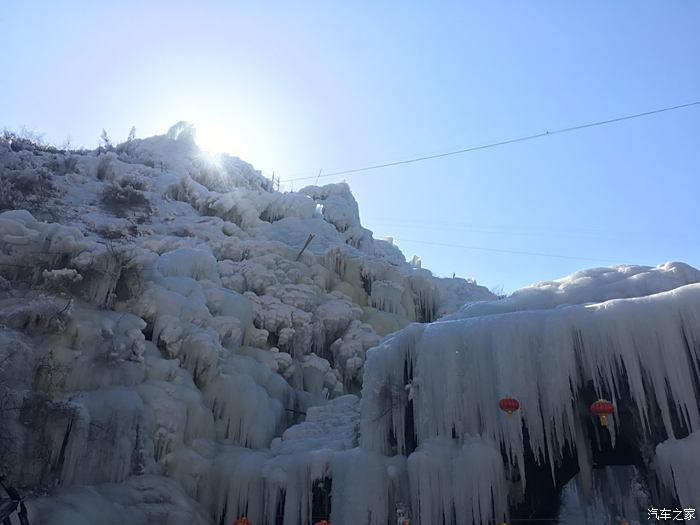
point(213, 138)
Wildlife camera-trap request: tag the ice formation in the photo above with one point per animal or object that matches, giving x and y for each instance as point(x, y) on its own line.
point(618, 493)
point(177, 358)
point(678, 461)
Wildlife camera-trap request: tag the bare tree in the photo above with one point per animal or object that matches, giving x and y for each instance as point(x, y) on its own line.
point(104, 141)
point(67, 144)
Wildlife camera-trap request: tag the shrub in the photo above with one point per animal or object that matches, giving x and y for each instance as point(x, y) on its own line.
point(27, 140)
point(61, 166)
point(105, 169)
point(126, 196)
point(25, 188)
point(115, 195)
point(133, 182)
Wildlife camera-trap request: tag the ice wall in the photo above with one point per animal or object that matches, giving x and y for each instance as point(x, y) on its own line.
point(453, 374)
point(158, 319)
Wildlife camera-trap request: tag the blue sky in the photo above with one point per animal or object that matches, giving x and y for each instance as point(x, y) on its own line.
point(299, 86)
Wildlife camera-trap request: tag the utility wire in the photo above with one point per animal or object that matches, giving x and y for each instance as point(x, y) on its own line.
point(496, 228)
point(449, 245)
point(499, 143)
point(499, 250)
point(588, 234)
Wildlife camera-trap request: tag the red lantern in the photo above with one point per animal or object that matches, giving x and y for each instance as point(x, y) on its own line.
point(406, 522)
point(509, 405)
point(322, 522)
point(602, 408)
point(243, 521)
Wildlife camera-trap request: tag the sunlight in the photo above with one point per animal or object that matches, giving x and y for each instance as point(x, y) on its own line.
point(213, 138)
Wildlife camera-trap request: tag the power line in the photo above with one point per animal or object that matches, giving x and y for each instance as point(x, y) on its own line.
point(494, 227)
point(501, 250)
point(503, 230)
point(499, 143)
point(538, 232)
point(449, 245)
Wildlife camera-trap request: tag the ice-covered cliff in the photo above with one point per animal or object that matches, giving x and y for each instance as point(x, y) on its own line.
point(169, 354)
point(159, 319)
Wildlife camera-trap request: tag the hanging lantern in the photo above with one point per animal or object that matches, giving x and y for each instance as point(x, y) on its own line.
point(323, 522)
point(406, 522)
point(602, 408)
point(243, 521)
point(509, 405)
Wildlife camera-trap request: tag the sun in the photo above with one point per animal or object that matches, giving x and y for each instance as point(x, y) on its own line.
point(215, 138)
point(211, 138)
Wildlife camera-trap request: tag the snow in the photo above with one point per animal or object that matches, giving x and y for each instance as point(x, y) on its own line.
point(590, 286)
point(244, 206)
point(295, 231)
point(181, 362)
